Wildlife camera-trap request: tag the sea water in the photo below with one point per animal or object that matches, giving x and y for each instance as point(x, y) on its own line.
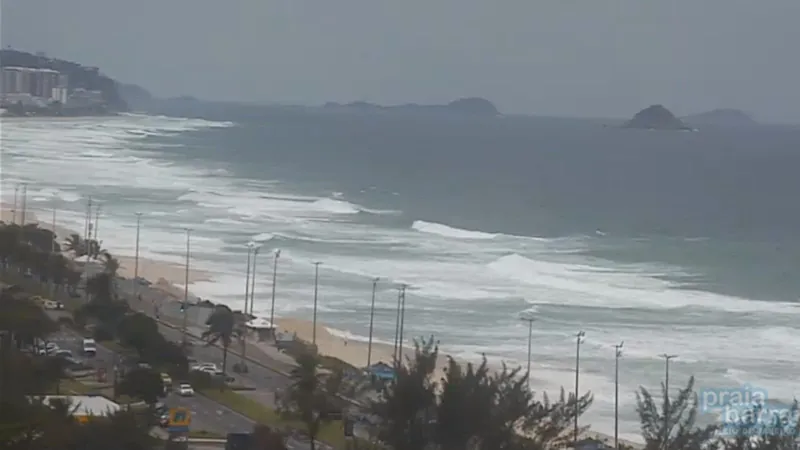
point(683, 243)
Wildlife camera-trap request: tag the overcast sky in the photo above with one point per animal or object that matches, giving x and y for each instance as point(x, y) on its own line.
point(601, 58)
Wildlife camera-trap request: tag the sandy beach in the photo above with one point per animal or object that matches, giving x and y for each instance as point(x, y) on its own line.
point(170, 278)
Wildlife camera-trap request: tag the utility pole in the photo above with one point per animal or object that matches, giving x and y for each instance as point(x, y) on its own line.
point(186, 288)
point(617, 355)
point(97, 223)
point(136, 258)
point(530, 319)
point(316, 290)
point(402, 322)
point(53, 229)
point(667, 359)
point(371, 320)
point(578, 341)
point(274, 281)
point(247, 278)
point(397, 326)
point(253, 279)
point(14, 211)
point(24, 201)
point(87, 225)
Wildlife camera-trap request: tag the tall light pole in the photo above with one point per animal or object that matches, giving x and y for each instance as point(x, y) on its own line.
point(186, 287)
point(529, 318)
point(402, 322)
point(97, 223)
point(371, 320)
point(53, 229)
point(316, 291)
point(24, 201)
point(667, 359)
point(136, 257)
point(578, 341)
point(274, 281)
point(253, 279)
point(397, 326)
point(617, 355)
point(14, 211)
point(247, 278)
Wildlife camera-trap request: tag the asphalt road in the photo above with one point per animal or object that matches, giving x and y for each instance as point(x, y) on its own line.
point(206, 414)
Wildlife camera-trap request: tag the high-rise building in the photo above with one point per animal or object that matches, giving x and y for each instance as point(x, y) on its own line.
point(43, 82)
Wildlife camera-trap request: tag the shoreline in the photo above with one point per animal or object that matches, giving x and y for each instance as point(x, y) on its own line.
point(169, 278)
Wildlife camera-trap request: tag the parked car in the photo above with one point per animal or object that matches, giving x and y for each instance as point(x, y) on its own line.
point(89, 347)
point(185, 390)
point(63, 353)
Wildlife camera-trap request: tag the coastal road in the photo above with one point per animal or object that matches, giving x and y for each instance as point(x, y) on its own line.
point(207, 414)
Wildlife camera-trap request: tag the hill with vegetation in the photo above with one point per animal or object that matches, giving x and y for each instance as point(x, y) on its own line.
point(723, 117)
point(79, 76)
point(656, 117)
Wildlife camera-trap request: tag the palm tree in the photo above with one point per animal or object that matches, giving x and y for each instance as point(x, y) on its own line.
point(310, 394)
point(110, 264)
point(221, 328)
point(75, 244)
point(681, 431)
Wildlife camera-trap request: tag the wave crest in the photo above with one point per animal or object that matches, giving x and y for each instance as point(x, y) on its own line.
point(450, 232)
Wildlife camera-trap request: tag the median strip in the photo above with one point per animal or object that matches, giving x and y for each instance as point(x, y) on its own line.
point(331, 433)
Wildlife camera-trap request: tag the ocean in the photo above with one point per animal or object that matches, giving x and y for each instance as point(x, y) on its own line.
point(673, 242)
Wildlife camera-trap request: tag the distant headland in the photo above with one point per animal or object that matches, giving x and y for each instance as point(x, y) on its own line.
point(473, 106)
point(656, 117)
point(723, 117)
point(37, 85)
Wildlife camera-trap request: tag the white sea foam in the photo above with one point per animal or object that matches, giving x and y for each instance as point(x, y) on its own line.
point(452, 272)
point(449, 232)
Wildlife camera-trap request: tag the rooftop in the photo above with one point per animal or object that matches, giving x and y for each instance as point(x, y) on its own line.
point(87, 405)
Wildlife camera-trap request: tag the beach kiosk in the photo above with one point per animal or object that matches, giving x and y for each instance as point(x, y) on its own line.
point(263, 328)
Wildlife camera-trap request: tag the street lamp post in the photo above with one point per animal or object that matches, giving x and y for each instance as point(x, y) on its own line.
point(136, 257)
point(617, 355)
point(530, 320)
point(253, 279)
point(578, 341)
point(247, 278)
point(402, 323)
point(14, 211)
point(186, 287)
point(316, 291)
point(667, 359)
point(397, 326)
point(371, 320)
point(274, 280)
point(24, 201)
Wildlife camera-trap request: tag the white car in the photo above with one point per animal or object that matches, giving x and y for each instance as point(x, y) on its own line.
point(185, 390)
point(89, 347)
point(205, 367)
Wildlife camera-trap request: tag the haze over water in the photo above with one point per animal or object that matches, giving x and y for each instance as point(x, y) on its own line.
point(683, 243)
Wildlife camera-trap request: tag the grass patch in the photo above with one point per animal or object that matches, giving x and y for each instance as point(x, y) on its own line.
point(69, 386)
point(203, 434)
point(331, 433)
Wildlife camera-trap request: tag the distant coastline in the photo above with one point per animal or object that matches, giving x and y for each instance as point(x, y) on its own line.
point(472, 106)
point(37, 85)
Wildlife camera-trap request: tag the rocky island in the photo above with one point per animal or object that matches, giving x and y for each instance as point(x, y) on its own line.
point(37, 85)
point(473, 106)
point(656, 117)
point(723, 117)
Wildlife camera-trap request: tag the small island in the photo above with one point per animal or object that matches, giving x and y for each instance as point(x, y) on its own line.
point(656, 117)
point(472, 106)
point(723, 117)
point(37, 85)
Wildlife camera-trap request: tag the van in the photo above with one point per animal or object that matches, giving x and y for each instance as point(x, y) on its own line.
point(89, 347)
